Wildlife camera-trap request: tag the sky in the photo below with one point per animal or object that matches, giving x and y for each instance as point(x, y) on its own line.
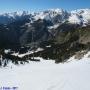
point(39, 5)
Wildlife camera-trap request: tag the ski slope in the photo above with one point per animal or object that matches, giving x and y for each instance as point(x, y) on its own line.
point(46, 75)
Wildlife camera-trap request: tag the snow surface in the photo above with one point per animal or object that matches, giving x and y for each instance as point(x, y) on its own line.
point(54, 26)
point(46, 75)
point(27, 53)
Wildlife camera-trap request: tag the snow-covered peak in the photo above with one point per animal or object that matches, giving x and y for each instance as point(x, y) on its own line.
point(56, 10)
point(80, 16)
point(18, 13)
point(74, 19)
point(51, 15)
point(6, 18)
point(81, 11)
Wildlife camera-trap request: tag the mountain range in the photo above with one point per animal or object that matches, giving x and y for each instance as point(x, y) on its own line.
point(54, 15)
point(65, 32)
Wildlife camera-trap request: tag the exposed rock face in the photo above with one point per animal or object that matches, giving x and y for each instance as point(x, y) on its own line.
point(79, 55)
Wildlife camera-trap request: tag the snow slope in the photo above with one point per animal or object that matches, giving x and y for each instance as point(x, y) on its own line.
point(46, 75)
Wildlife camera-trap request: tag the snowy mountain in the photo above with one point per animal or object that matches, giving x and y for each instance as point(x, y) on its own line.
point(61, 46)
point(57, 28)
point(53, 15)
point(7, 18)
point(80, 16)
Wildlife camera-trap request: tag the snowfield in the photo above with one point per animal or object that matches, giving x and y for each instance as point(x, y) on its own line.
point(46, 75)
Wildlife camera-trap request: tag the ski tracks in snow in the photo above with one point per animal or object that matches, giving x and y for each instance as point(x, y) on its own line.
point(57, 86)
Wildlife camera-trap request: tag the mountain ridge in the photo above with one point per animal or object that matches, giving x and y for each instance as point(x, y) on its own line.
point(75, 16)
